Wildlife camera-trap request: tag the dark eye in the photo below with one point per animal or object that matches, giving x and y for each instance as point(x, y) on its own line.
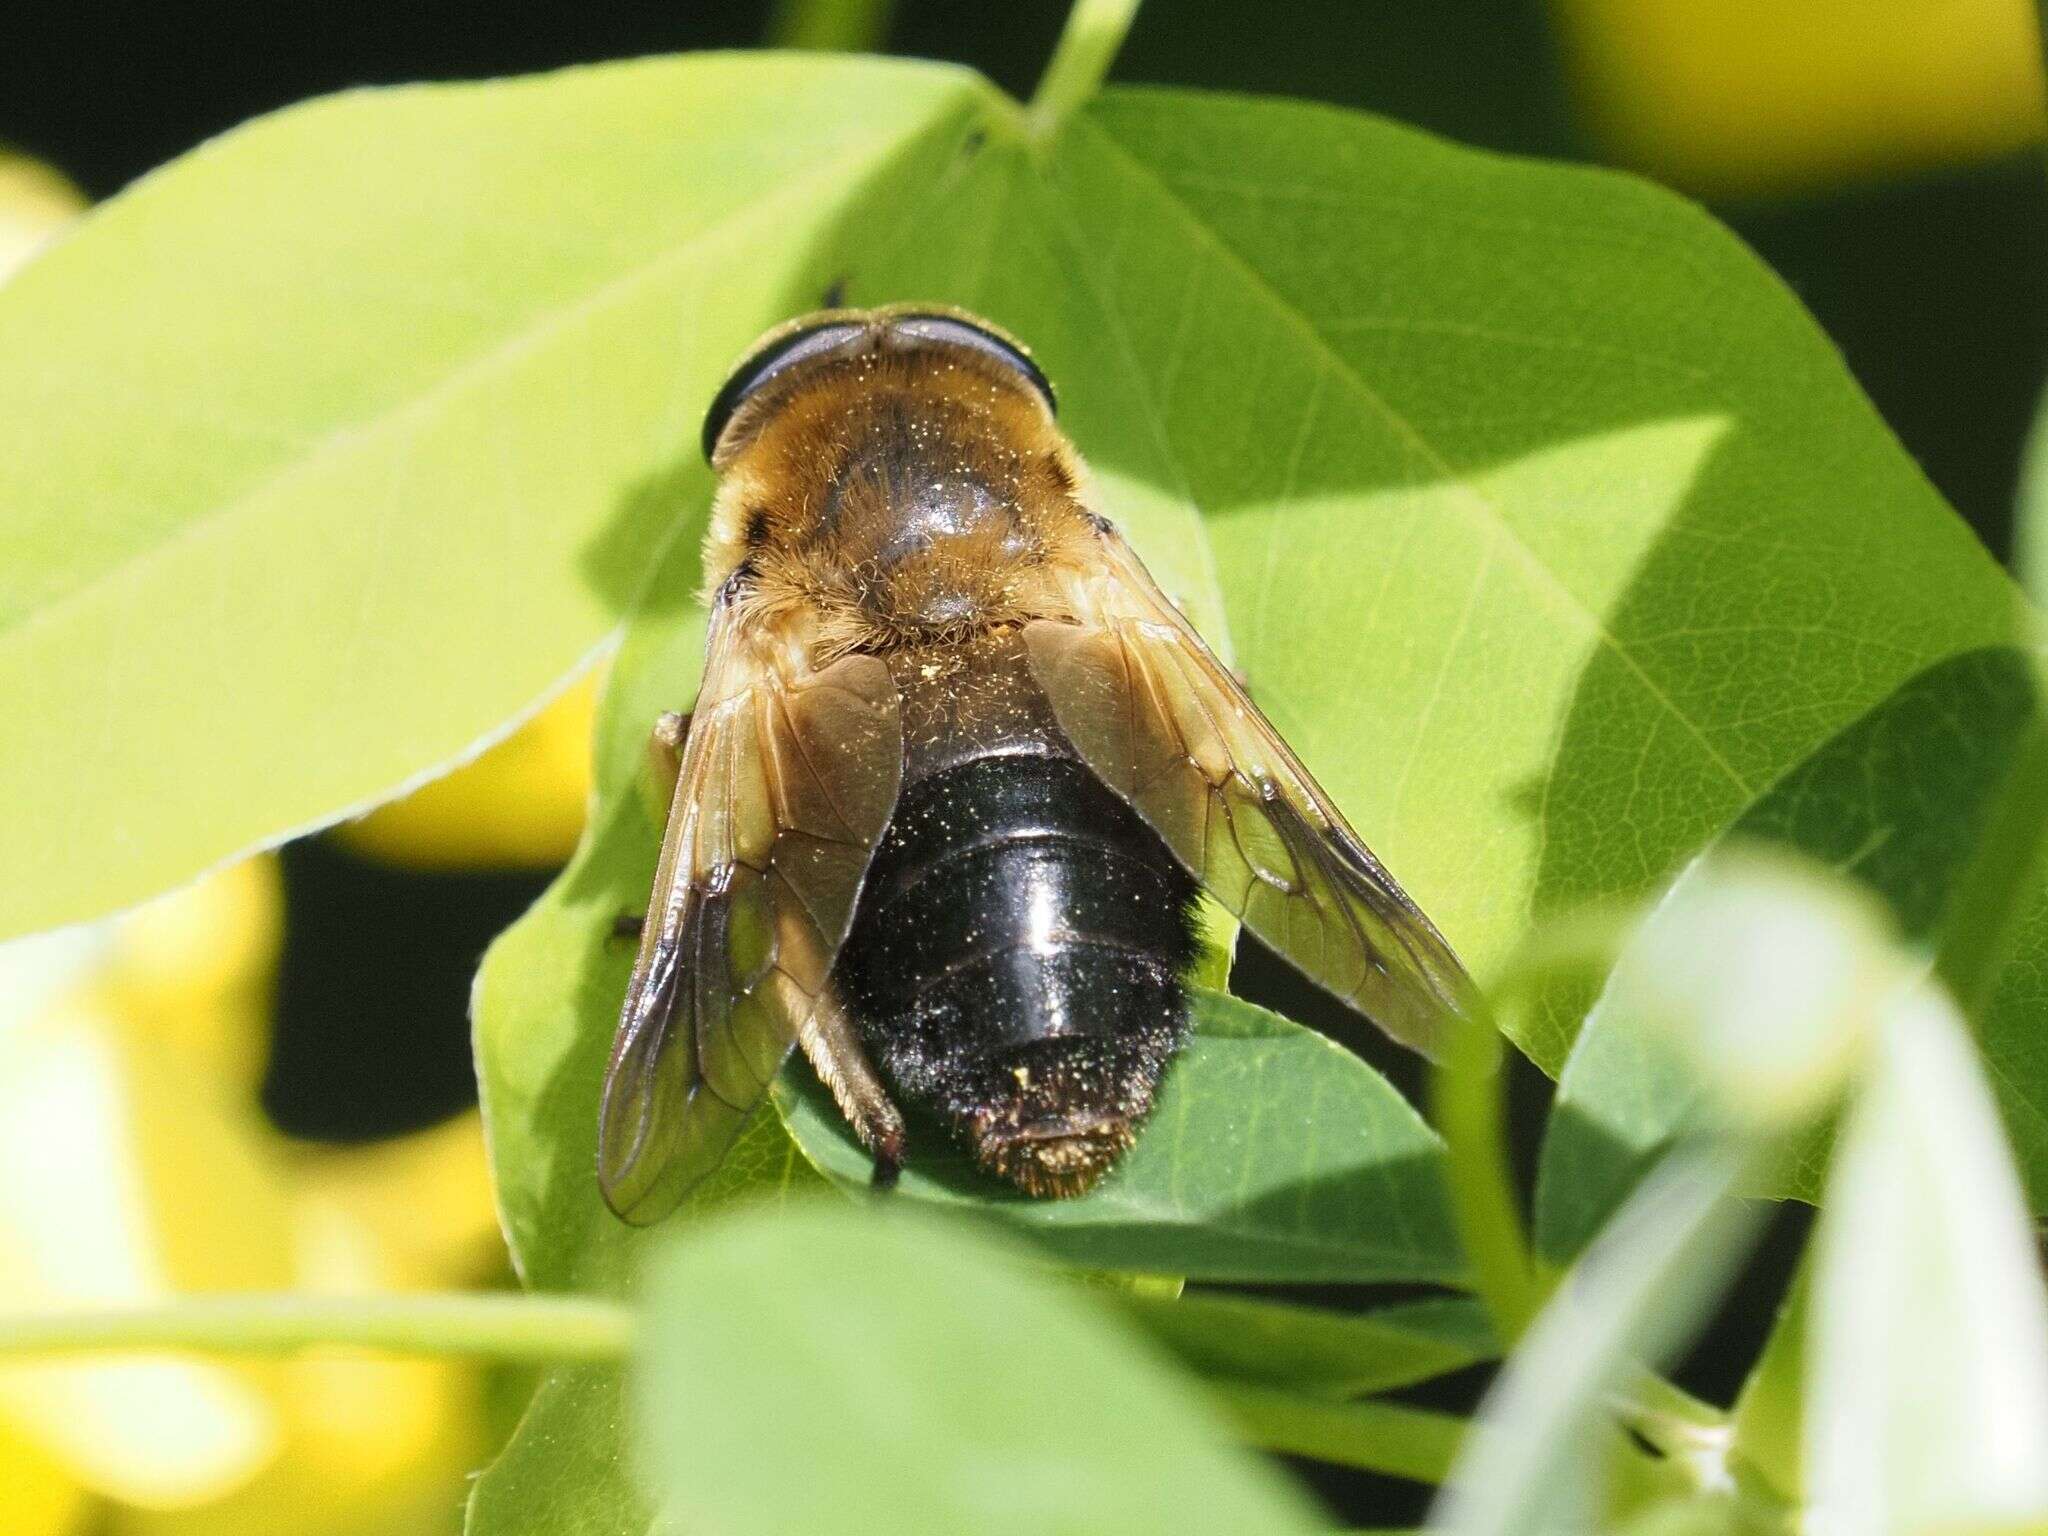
point(776, 357)
point(951, 330)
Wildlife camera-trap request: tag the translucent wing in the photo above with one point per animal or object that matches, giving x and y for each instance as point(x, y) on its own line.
point(788, 779)
point(1165, 725)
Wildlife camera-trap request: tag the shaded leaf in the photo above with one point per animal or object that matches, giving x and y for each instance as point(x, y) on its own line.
point(943, 1389)
point(1312, 1350)
point(1273, 1154)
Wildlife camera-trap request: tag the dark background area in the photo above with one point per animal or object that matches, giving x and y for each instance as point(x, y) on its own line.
point(1933, 287)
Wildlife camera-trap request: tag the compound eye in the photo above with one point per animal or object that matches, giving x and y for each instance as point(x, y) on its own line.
point(952, 330)
point(770, 361)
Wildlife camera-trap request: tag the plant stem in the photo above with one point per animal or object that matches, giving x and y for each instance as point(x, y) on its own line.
point(1373, 1436)
point(1647, 1398)
point(830, 26)
point(501, 1326)
point(1467, 1099)
point(1094, 31)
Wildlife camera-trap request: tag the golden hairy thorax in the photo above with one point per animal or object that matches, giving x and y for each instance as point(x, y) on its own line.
point(897, 501)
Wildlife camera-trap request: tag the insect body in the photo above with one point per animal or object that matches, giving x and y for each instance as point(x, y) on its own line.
point(955, 773)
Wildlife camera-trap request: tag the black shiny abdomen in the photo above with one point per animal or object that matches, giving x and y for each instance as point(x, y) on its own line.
point(1016, 959)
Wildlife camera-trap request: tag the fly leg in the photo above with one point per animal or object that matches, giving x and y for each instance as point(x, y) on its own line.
point(833, 1046)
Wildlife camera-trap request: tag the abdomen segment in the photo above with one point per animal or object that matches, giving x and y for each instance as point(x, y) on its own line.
point(1015, 964)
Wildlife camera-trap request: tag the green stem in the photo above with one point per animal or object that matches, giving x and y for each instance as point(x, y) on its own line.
point(1094, 32)
point(1467, 1099)
point(1649, 1402)
point(830, 26)
point(501, 1326)
point(1373, 1436)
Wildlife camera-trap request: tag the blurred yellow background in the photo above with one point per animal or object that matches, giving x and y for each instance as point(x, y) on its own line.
point(1734, 98)
point(135, 1164)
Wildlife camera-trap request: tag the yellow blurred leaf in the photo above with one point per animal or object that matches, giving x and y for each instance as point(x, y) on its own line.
point(37, 1496)
point(519, 805)
point(79, 1226)
point(1736, 97)
point(135, 1164)
point(209, 1168)
point(196, 969)
point(372, 1445)
point(35, 202)
point(426, 1196)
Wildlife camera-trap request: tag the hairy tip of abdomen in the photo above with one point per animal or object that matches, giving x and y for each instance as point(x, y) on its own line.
point(1052, 1115)
point(1056, 1159)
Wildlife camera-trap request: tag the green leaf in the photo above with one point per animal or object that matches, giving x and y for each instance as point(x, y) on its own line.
point(1313, 1351)
point(544, 1005)
point(1536, 512)
point(1548, 526)
point(1897, 802)
point(1371, 1434)
point(1541, 517)
point(1704, 1515)
point(1273, 1155)
point(331, 448)
point(1927, 1347)
point(564, 1472)
point(941, 1388)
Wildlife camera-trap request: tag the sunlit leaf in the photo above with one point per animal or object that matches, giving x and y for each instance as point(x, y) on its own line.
point(942, 1389)
point(328, 450)
point(1541, 641)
